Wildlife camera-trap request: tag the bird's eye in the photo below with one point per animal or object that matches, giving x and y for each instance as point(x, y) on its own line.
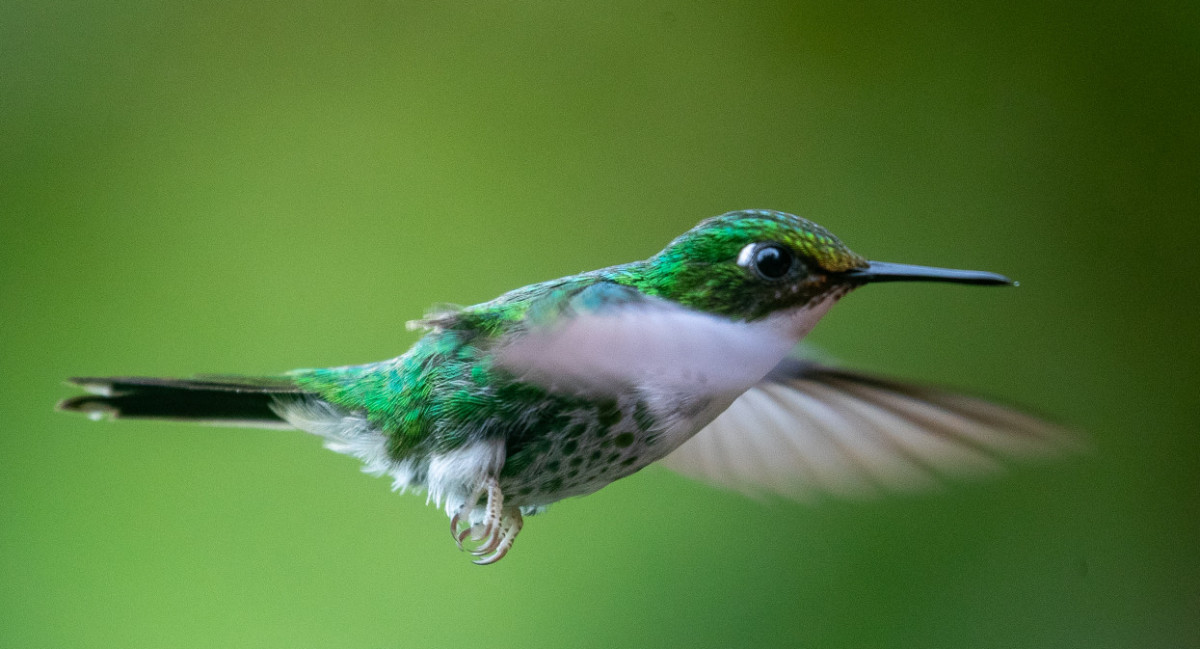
point(772, 261)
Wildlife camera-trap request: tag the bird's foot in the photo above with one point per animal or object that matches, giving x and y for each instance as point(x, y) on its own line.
point(460, 527)
point(510, 526)
point(495, 533)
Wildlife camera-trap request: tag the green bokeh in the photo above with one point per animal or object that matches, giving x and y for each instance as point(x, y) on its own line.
point(256, 186)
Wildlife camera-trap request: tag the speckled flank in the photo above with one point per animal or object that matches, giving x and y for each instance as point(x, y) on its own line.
point(599, 444)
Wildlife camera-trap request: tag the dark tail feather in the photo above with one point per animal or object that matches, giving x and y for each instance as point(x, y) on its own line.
point(230, 401)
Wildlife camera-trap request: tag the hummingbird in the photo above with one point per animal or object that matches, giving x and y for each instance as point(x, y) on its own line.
point(688, 359)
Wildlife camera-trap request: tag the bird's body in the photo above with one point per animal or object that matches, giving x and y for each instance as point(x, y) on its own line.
point(559, 388)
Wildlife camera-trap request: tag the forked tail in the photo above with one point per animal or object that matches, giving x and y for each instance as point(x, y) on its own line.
point(227, 401)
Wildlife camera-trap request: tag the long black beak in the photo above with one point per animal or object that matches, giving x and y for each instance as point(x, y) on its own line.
point(882, 271)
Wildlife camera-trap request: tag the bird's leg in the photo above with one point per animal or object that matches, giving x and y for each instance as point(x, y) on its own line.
point(511, 526)
point(489, 530)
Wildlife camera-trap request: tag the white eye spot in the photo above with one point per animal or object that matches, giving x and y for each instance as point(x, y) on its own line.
point(746, 256)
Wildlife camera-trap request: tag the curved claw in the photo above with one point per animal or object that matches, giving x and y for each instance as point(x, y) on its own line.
point(492, 543)
point(454, 532)
point(463, 511)
point(496, 533)
point(465, 534)
point(491, 537)
point(473, 532)
point(491, 531)
point(512, 526)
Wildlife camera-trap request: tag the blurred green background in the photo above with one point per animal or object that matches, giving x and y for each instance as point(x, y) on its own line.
point(257, 186)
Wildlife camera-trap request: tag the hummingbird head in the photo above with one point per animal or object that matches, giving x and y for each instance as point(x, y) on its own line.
point(752, 263)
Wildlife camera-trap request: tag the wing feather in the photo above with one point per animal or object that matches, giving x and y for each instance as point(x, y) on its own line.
point(809, 429)
point(606, 337)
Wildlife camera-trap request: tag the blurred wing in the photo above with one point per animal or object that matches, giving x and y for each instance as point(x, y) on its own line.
point(607, 337)
point(807, 429)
